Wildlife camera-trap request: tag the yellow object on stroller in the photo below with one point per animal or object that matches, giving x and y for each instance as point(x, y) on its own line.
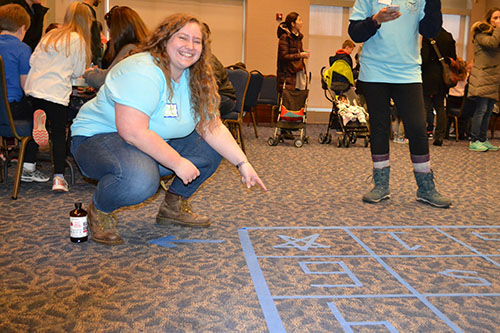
point(292, 117)
point(347, 117)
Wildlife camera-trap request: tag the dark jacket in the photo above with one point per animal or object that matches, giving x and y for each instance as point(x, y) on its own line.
point(225, 86)
point(36, 13)
point(432, 70)
point(289, 60)
point(95, 38)
point(341, 54)
point(485, 74)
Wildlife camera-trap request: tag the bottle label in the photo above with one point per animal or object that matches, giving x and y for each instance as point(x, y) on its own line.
point(78, 227)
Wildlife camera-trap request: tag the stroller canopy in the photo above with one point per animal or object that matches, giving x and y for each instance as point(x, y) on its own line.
point(339, 76)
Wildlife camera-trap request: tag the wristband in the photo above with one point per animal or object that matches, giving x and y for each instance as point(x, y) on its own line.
point(241, 163)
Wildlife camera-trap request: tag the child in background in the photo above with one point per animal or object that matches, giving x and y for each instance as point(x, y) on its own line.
point(14, 22)
point(62, 55)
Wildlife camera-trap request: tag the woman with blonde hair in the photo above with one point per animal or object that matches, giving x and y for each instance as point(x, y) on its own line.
point(62, 55)
point(484, 77)
point(155, 115)
point(127, 30)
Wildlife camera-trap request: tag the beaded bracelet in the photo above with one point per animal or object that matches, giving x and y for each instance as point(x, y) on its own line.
point(241, 163)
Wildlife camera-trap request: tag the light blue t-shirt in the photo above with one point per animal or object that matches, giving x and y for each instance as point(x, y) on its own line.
point(392, 55)
point(137, 82)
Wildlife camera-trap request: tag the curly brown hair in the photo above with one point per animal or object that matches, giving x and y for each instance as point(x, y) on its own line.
point(204, 96)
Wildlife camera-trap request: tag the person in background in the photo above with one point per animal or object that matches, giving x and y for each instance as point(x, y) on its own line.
point(456, 94)
point(225, 87)
point(14, 22)
point(344, 53)
point(96, 45)
point(53, 26)
point(390, 68)
point(291, 67)
point(433, 85)
point(127, 30)
point(37, 13)
point(484, 77)
point(62, 55)
point(156, 115)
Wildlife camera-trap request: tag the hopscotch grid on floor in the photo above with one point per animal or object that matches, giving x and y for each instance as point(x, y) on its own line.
point(267, 300)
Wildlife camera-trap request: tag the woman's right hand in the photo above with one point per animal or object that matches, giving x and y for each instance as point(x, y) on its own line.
point(385, 15)
point(305, 54)
point(186, 171)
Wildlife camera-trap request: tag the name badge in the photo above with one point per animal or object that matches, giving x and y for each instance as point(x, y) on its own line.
point(385, 2)
point(170, 111)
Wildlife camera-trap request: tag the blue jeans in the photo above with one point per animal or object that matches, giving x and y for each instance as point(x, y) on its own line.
point(127, 176)
point(481, 118)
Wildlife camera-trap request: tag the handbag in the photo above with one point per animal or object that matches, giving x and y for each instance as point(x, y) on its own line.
point(450, 79)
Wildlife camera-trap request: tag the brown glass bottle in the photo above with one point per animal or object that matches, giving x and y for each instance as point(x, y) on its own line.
point(78, 224)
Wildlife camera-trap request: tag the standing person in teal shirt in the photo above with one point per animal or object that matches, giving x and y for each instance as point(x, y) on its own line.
point(390, 68)
point(156, 115)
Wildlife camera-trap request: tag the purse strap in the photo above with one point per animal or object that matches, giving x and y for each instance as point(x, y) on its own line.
point(440, 57)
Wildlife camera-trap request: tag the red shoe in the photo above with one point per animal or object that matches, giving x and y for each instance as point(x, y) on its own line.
point(40, 134)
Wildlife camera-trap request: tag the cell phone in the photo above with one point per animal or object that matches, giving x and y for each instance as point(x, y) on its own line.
point(393, 8)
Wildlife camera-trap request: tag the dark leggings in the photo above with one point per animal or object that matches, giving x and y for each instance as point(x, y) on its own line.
point(23, 110)
point(57, 118)
point(409, 102)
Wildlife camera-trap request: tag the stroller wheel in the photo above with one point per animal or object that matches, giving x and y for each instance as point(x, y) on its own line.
point(339, 141)
point(354, 138)
point(329, 139)
point(272, 141)
point(367, 141)
point(298, 143)
point(322, 138)
point(345, 141)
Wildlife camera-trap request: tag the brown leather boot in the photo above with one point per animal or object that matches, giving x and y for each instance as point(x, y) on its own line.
point(177, 210)
point(103, 226)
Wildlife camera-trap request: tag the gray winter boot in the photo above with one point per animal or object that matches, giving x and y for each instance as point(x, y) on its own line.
point(427, 191)
point(381, 189)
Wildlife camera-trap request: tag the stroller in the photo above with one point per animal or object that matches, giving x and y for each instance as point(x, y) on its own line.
point(347, 117)
point(292, 117)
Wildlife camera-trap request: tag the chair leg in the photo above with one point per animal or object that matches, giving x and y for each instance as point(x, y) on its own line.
point(254, 124)
point(71, 170)
point(19, 169)
point(493, 122)
point(456, 128)
point(240, 136)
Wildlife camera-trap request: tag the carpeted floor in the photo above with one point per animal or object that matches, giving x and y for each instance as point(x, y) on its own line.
point(305, 256)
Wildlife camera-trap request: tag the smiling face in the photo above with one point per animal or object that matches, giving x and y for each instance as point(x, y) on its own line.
point(184, 49)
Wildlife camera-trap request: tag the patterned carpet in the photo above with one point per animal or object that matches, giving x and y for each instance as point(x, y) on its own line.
point(307, 255)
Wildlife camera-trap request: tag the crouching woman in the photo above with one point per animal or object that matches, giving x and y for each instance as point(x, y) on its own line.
point(155, 115)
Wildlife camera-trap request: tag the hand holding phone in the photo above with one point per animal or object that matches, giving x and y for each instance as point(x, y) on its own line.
point(393, 8)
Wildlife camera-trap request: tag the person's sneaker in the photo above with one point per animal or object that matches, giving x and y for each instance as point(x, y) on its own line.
point(34, 176)
point(400, 140)
point(488, 145)
point(477, 146)
point(40, 134)
point(59, 184)
point(430, 135)
point(438, 142)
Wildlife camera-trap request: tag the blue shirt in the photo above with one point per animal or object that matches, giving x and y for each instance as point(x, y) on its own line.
point(392, 55)
point(16, 57)
point(139, 83)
